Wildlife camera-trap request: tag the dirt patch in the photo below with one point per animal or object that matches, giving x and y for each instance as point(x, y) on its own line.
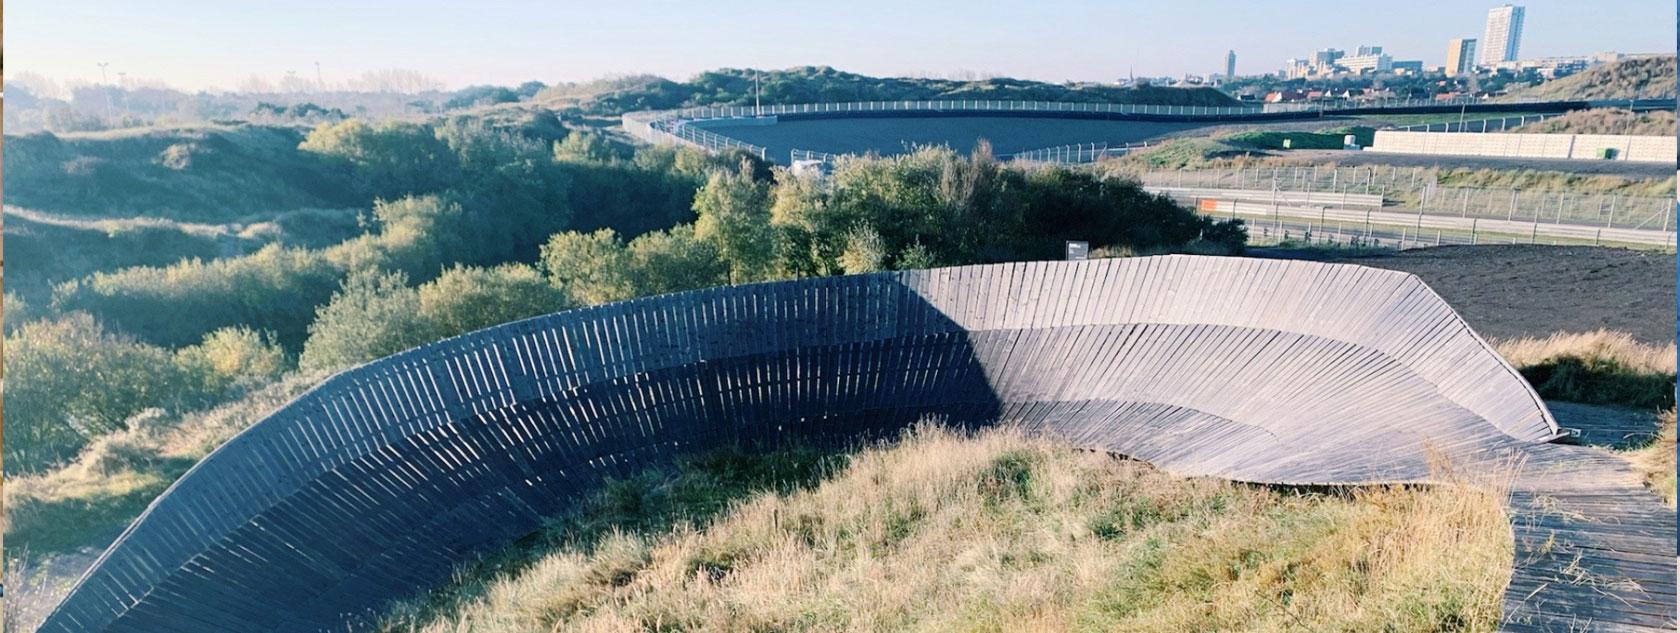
point(1512, 291)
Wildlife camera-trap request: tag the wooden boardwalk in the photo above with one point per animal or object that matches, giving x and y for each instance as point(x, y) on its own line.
point(1595, 550)
point(382, 479)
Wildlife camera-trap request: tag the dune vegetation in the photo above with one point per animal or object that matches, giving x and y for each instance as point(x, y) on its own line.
point(1601, 367)
point(1605, 121)
point(1639, 78)
point(1656, 459)
point(990, 532)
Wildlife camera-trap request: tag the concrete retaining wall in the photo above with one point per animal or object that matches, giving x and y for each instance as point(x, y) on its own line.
point(1557, 146)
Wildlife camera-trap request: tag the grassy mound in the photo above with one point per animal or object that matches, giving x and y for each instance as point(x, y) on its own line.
point(1645, 78)
point(1605, 121)
point(201, 174)
point(1601, 367)
point(945, 531)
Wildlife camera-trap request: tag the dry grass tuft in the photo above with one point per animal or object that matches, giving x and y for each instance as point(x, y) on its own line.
point(1001, 532)
point(1601, 367)
point(1656, 460)
point(1607, 345)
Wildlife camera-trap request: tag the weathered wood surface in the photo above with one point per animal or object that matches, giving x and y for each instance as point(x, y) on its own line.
point(375, 483)
point(1595, 551)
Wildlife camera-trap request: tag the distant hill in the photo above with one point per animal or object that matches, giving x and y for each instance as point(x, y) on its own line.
point(1643, 78)
point(816, 84)
point(198, 174)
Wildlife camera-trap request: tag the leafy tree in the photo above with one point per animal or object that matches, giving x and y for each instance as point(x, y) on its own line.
point(387, 159)
point(915, 257)
point(234, 356)
point(674, 260)
point(591, 268)
point(585, 146)
point(464, 299)
point(734, 210)
point(374, 315)
point(865, 252)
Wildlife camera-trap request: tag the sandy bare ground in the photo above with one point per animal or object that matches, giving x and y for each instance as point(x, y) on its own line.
point(1511, 291)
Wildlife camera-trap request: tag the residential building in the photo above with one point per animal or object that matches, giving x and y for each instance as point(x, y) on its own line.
point(1366, 63)
point(1461, 56)
point(1297, 69)
point(1326, 58)
point(1230, 65)
point(1503, 35)
point(1367, 51)
point(1411, 66)
point(1550, 67)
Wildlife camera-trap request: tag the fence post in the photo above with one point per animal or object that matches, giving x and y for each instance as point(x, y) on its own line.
point(1473, 222)
point(1512, 214)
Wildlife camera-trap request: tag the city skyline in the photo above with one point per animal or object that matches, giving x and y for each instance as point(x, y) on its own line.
point(203, 44)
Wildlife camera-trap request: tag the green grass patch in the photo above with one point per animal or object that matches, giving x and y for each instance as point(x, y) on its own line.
point(1324, 139)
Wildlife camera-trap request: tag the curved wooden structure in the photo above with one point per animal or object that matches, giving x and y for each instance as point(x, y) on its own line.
point(374, 484)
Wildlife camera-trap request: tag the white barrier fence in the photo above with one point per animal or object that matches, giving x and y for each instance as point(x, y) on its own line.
point(1563, 146)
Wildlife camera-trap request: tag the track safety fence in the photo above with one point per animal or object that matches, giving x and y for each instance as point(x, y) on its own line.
point(1418, 188)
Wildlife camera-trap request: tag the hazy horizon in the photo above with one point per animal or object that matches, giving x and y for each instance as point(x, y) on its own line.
point(200, 44)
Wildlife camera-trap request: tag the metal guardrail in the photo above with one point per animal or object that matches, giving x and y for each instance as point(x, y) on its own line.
point(1479, 125)
point(1076, 154)
point(670, 126)
point(1080, 153)
point(1393, 223)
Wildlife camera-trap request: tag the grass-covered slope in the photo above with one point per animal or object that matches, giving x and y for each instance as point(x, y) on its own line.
point(1605, 121)
point(1641, 78)
point(995, 532)
point(202, 174)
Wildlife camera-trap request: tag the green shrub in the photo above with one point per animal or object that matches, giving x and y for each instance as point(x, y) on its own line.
point(373, 315)
point(464, 299)
point(70, 381)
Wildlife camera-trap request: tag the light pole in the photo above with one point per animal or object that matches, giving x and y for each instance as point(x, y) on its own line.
point(104, 83)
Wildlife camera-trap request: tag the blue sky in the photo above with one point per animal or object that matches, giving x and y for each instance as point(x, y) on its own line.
point(211, 43)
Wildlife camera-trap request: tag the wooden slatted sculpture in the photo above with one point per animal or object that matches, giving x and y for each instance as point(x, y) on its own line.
point(375, 483)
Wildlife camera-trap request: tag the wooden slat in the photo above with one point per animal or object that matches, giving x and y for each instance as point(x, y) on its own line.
point(375, 483)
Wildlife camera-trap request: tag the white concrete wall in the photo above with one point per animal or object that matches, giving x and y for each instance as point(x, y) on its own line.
point(1573, 146)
